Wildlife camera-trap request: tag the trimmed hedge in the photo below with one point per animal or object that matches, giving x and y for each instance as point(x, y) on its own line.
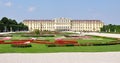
point(22, 46)
point(69, 45)
point(6, 35)
point(56, 45)
point(70, 36)
point(51, 45)
point(38, 35)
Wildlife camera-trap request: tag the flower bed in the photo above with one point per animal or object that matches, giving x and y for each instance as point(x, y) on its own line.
point(43, 42)
point(23, 40)
point(1, 41)
point(77, 37)
point(64, 43)
point(21, 44)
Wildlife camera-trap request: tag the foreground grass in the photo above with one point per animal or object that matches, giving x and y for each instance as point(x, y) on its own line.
point(37, 48)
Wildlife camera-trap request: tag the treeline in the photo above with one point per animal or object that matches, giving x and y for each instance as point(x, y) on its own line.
point(7, 25)
point(111, 28)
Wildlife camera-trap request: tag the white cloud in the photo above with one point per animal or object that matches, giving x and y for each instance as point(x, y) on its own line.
point(8, 4)
point(31, 9)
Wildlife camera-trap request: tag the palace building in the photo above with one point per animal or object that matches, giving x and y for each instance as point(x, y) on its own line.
point(64, 24)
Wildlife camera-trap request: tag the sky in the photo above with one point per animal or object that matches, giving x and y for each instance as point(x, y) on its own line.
point(107, 11)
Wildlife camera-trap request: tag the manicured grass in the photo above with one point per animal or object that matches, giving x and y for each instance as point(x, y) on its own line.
point(95, 40)
point(37, 48)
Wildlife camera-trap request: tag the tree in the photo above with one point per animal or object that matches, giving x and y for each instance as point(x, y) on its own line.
point(1, 26)
point(21, 24)
point(111, 28)
point(22, 27)
point(12, 22)
point(37, 31)
point(9, 24)
point(5, 21)
point(4, 24)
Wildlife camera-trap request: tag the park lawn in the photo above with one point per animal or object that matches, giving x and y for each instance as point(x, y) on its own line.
point(52, 39)
point(94, 39)
point(102, 40)
point(38, 48)
point(81, 41)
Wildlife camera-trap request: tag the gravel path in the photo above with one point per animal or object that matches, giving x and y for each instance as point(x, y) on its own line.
point(104, 57)
point(104, 34)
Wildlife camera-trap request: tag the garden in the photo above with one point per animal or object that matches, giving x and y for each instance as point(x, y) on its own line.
point(46, 42)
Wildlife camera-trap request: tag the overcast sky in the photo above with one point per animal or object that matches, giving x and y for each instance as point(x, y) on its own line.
point(106, 10)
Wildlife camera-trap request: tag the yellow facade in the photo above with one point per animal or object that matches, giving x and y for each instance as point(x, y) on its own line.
point(64, 24)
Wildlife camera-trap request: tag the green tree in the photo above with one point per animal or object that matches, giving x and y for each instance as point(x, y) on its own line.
point(12, 22)
point(37, 31)
point(5, 21)
point(111, 28)
point(9, 24)
point(22, 27)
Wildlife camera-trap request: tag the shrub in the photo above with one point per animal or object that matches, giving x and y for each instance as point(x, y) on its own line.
point(51, 45)
point(29, 35)
point(47, 35)
point(69, 45)
point(37, 31)
point(6, 35)
point(33, 35)
point(21, 44)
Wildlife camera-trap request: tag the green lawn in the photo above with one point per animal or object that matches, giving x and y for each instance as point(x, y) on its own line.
point(37, 48)
point(95, 40)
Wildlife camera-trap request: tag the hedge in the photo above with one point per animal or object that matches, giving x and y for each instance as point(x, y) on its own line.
point(6, 35)
point(38, 35)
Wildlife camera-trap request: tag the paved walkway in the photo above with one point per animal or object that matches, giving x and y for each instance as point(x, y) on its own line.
point(104, 34)
point(6, 32)
point(104, 57)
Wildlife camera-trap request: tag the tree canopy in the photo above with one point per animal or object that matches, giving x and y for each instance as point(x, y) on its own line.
point(11, 25)
point(111, 28)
